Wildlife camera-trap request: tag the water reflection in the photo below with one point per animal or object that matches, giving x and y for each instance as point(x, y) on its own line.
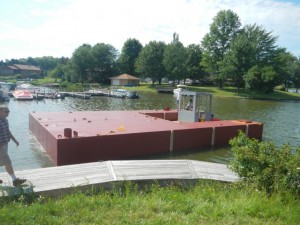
point(281, 122)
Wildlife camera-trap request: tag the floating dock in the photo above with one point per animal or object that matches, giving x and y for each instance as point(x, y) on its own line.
point(90, 136)
point(54, 181)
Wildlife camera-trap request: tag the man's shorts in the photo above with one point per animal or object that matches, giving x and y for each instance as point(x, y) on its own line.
point(4, 157)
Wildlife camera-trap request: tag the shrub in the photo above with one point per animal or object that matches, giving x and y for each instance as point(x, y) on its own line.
point(267, 166)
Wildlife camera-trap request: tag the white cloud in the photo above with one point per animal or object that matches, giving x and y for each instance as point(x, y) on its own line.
point(57, 28)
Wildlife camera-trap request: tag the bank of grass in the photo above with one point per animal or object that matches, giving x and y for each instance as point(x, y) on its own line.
point(218, 92)
point(226, 92)
point(242, 93)
point(209, 202)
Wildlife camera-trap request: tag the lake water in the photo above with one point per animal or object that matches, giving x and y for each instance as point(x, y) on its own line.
point(281, 123)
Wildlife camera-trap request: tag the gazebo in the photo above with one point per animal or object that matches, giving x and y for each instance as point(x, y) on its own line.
point(125, 80)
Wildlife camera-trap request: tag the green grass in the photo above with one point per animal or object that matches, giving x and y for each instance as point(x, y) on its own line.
point(148, 87)
point(209, 202)
point(230, 92)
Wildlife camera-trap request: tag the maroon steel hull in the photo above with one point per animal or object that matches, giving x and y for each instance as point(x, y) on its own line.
point(114, 135)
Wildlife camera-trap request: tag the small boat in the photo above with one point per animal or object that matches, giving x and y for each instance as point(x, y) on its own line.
point(83, 95)
point(180, 88)
point(118, 93)
point(38, 96)
point(28, 87)
point(54, 95)
point(22, 95)
point(4, 97)
point(132, 94)
point(95, 91)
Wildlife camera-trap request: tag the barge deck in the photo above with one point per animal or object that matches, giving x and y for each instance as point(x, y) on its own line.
point(90, 136)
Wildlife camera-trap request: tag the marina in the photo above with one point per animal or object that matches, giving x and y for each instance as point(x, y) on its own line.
point(30, 154)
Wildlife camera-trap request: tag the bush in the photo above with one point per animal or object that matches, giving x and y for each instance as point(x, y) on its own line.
point(280, 88)
point(268, 167)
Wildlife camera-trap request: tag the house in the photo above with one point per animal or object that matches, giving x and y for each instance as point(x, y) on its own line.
point(25, 70)
point(124, 80)
point(8, 70)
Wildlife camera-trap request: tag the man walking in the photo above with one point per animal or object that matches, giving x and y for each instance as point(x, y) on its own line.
point(5, 136)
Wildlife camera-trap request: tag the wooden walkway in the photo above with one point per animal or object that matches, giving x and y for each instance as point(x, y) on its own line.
point(63, 179)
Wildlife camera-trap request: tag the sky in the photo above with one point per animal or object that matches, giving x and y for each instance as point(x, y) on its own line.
point(37, 28)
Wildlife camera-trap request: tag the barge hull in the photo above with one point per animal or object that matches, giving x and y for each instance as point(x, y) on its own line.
point(115, 135)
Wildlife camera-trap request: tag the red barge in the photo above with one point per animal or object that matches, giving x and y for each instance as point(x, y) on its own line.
point(89, 136)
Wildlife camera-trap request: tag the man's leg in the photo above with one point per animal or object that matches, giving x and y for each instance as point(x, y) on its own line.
point(10, 171)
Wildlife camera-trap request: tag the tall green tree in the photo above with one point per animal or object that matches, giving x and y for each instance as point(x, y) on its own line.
point(239, 60)
point(150, 61)
point(104, 58)
point(216, 44)
point(175, 60)
point(264, 43)
point(263, 59)
point(295, 78)
point(82, 62)
point(57, 72)
point(129, 54)
point(46, 63)
point(261, 78)
point(193, 58)
point(284, 64)
point(69, 72)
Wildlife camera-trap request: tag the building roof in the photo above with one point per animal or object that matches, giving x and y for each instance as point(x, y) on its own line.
point(125, 76)
point(26, 67)
point(12, 67)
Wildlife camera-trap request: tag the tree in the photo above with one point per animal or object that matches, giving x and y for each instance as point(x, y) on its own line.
point(284, 64)
point(193, 58)
point(175, 59)
point(129, 54)
point(239, 60)
point(82, 62)
point(149, 63)
point(264, 53)
point(261, 79)
point(216, 44)
point(46, 63)
point(57, 72)
point(295, 78)
point(69, 72)
point(264, 44)
point(103, 59)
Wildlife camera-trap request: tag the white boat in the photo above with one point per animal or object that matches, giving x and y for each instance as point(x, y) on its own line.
point(28, 87)
point(132, 94)
point(119, 93)
point(54, 95)
point(4, 92)
point(22, 95)
point(95, 91)
point(180, 87)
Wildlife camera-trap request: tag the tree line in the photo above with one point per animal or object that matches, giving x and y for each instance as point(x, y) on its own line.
point(243, 56)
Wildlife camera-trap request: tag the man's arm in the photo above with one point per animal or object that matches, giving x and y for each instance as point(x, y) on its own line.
point(14, 139)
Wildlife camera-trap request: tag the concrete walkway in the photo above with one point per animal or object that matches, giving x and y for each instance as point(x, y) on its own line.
point(64, 179)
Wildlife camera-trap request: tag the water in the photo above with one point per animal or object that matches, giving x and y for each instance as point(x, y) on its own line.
point(281, 123)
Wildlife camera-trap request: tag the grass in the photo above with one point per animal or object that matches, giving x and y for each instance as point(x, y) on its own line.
point(209, 202)
point(230, 92)
point(148, 87)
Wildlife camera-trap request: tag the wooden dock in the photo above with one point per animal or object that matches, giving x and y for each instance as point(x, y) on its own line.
point(53, 181)
point(83, 95)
